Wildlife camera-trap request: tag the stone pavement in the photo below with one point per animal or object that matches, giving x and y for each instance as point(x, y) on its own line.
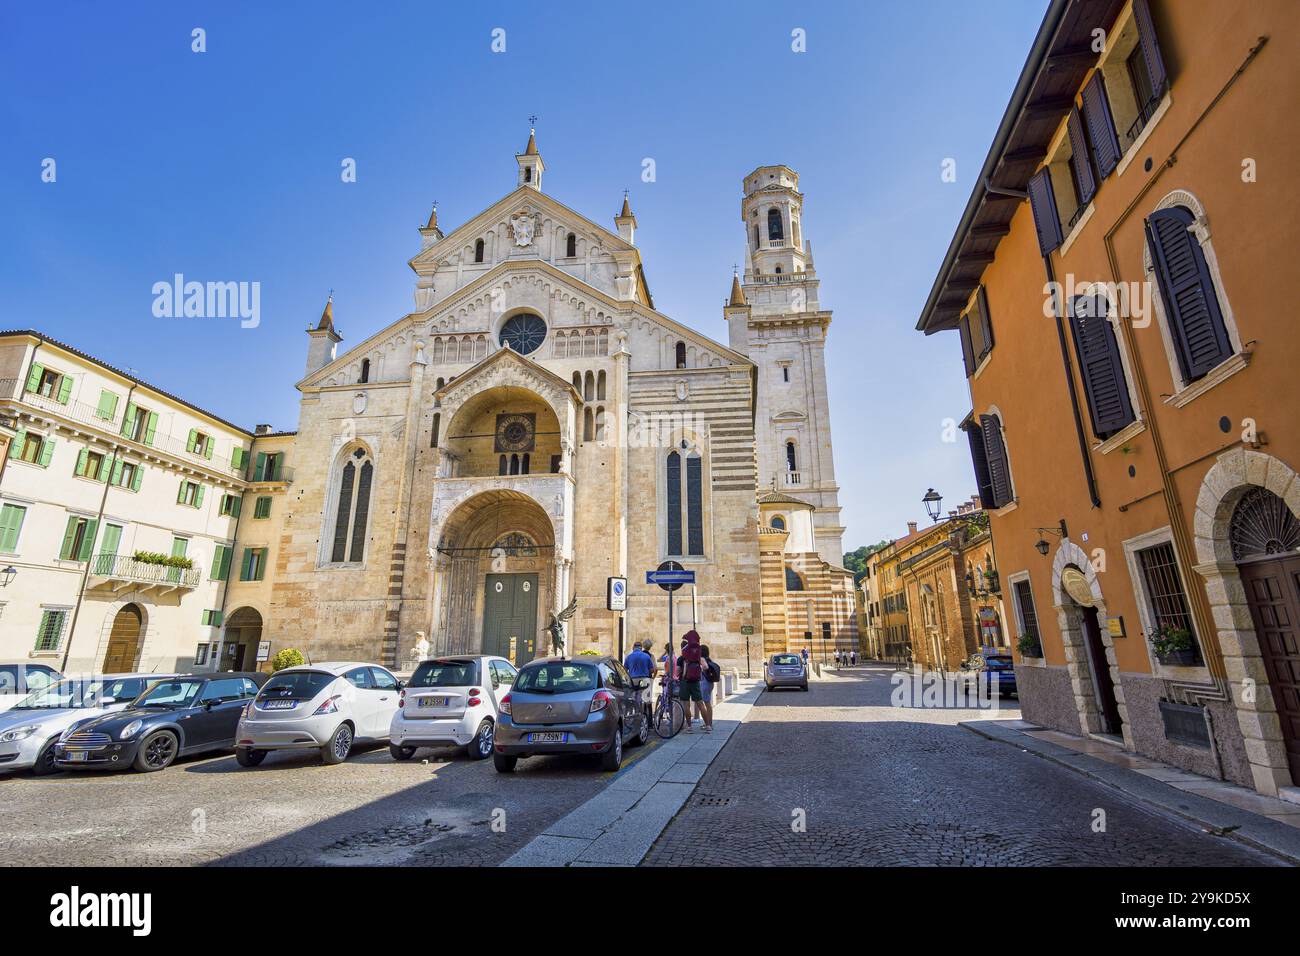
point(838, 776)
point(617, 826)
point(1215, 805)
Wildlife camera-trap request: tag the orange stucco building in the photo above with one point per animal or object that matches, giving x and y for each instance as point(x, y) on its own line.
point(1119, 283)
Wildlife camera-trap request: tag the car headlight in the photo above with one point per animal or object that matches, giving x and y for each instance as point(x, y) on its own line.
point(130, 730)
point(19, 733)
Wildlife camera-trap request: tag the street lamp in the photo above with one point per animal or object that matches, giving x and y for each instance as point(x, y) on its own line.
point(933, 502)
point(7, 576)
point(1041, 545)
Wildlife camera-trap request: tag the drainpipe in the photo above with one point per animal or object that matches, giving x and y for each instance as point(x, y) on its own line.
point(99, 520)
point(1058, 309)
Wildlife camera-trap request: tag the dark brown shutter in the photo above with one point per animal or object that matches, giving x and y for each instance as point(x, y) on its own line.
point(982, 480)
point(995, 451)
point(967, 353)
point(1104, 381)
point(1150, 48)
point(986, 323)
point(1190, 302)
point(1082, 166)
point(1046, 222)
point(1101, 125)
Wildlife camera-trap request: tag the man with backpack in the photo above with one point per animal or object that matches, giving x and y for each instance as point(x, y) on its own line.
point(690, 670)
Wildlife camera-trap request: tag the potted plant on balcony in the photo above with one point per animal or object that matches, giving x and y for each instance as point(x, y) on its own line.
point(991, 582)
point(166, 560)
point(1029, 644)
point(1175, 646)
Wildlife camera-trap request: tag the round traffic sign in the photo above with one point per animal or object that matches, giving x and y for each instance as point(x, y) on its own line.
point(670, 566)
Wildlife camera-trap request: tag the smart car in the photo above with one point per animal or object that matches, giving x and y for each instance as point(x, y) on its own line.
point(324, 707)
point(450, 700)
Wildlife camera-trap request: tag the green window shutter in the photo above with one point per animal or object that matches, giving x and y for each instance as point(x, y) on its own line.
point(65, 552)
point(105, 464)
point(262, 508)
point(179, 546)
point(65, 389)
point(198, 497)
point(260, 468)
point(47, 451)
point(218, 558)
point(11, 524)
point(216, 618)
point(227, 555)
point(116, 477)
point(192, 440)
point(237, 459)
point(107, 407)
point(245, 566)
point(261, 565)
point(135, 478)
point(43, 630)
point(238, 505)
point(180, 492)
point(207, 451)
point(279, 466)
point(88, 541)
point(151, 426)
point(81, 463)
point(16, 446)
point(112, 538)
point(34, 377)
point(129, 418)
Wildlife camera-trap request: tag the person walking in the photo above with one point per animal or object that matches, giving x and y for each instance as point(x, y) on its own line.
point(689, 671)
point(710, 678)
point(639, 663)
point(853, 654)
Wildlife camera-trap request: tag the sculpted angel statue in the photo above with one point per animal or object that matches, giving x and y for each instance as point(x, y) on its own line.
point(556, 626)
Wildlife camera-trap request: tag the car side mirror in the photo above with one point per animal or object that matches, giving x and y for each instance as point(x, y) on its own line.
point(401, 685)
point(207, 704)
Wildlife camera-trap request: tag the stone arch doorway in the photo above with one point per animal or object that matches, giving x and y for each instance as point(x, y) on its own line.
point(125, 638)
point(1089, 651)
point(1239, 616)
point(496, 575)
point(239, 645)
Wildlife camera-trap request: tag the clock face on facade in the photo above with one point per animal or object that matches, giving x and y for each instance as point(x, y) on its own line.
point(516, 431)
point(524, 333)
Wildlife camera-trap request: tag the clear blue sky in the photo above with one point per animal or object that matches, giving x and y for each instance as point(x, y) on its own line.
point(225, 166)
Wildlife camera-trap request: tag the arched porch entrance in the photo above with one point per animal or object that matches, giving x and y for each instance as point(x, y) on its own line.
point(495, 577)
point(239, 646)
point(124, 640)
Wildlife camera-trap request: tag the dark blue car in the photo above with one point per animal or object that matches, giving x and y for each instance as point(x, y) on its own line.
point(999, 673)
point(175, 717)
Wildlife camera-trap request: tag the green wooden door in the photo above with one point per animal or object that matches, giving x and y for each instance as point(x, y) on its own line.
point(179, 546)
point(510, 617)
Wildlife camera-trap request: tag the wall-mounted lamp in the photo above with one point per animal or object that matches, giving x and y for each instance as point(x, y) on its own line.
point(933, 502)
point(7, 576)
point(1041, 544)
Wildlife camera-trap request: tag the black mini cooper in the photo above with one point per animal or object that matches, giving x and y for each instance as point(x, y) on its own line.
point(173, 718)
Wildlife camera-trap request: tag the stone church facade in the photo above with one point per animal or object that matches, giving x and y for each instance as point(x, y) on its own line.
point(535, 426)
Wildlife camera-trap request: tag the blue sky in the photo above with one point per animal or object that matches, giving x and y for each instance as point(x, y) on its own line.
point(225, 166)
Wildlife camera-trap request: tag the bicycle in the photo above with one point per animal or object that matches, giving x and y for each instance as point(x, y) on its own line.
point(669, 715)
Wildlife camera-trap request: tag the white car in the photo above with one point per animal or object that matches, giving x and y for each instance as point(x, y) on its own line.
point(451, 701)
point(326, 707)
point(29, 729)
point(20, 678)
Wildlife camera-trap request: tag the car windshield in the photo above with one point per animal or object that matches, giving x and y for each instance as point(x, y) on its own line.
point(556, 677)
point(786, 659)
point(171, 693)
point(445, 673)
point(80, 694)
point(300, 685)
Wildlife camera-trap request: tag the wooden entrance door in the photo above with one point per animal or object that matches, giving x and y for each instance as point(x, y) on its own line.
point(1273, 593)
point(510, 617)
point(1105, 686)
point(124, 641)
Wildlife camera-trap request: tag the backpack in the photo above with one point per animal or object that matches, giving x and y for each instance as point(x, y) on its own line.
point(714, 673)
point(690, 663)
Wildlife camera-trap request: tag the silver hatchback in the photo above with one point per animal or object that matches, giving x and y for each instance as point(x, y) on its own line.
point(571, 705)
point(785, 670)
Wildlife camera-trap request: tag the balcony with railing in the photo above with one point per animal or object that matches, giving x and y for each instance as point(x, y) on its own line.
point(793, 479)
point(15, 390)
point(122, 571)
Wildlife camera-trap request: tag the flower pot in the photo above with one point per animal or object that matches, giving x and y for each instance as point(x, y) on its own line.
point(1187, 658)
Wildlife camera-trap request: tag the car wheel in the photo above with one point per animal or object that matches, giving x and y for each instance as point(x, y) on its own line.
point(612, 758)
point(157, 751)
point(339, 746)
point(401, 753)
point(45, 764)
point(643, 734)
point(481, 746)
point(248, 757)
point(803, 686)
point(503, 763)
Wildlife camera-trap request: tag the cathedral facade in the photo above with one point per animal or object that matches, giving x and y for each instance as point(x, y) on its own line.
point(536, 427)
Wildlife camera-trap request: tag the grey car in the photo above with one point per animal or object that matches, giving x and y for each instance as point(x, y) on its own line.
point(571, 705)
point(785, 670)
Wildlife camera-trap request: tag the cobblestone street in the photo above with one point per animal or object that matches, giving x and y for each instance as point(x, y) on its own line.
point(882, 786)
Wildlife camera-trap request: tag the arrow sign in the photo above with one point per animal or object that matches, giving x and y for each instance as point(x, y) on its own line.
point(670, 576)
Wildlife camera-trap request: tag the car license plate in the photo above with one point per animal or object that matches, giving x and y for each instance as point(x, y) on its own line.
point(433, 701)
point(548, 738)
point(279, 705)
point(77, 756)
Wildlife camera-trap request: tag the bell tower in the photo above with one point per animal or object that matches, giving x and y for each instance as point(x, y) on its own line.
point(530, 163)
point(775, 318)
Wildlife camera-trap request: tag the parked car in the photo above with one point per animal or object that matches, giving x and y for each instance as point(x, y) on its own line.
point(571, 705)
point(450, 700)
point(30, 729)
point(785, 670)
point(176, 717)
point(20, 678)
point(326, 707)
point(999, 675)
